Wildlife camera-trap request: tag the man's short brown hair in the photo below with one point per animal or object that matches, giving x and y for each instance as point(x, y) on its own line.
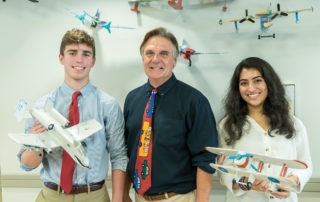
point(77, 36)
point(160, 31)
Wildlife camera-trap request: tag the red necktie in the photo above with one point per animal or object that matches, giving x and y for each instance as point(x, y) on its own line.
point(67, 162)
point(142, 177)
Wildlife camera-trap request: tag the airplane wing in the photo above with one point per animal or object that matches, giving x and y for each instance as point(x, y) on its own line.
point(40, 140)
point(241, 172)
point(83, 130)
point(235, 20)
point(223, 151)
point(259, 157)
point(296, 164)
point(301, 10)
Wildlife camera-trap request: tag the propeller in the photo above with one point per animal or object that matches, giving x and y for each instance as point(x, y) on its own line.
point(247, 18)
point(279, 13)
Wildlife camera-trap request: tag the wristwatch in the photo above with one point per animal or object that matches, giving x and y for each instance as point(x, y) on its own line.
point(37, 150)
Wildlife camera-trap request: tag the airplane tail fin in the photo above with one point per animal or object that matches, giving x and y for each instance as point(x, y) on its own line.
point(107, 26)
point(20, 111)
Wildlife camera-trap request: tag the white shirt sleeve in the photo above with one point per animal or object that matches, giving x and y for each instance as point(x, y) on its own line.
point(303, 153)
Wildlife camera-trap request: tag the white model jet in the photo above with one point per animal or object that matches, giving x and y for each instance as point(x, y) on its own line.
point(58, 133)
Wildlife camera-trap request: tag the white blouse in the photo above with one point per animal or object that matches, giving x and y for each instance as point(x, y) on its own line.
point(255, 139)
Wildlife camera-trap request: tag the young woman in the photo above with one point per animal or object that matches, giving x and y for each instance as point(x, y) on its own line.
point(257, 120)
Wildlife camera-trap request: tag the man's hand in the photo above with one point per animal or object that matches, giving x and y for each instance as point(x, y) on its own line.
point(31, 158)
point(37, 128)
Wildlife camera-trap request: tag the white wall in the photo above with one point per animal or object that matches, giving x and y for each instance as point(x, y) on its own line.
point(30, 37)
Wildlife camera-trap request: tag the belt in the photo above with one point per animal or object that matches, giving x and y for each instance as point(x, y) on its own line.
point(159, 196)
point(77, 189)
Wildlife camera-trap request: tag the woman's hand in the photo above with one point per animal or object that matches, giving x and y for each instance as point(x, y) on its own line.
point(261, 185)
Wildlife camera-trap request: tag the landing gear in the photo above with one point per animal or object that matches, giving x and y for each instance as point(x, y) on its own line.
point(265, 36)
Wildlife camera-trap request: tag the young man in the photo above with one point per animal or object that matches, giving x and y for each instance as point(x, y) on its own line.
point(77, 55)
point(167, 125)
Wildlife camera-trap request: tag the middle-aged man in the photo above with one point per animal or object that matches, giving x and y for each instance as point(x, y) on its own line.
point(169, 122)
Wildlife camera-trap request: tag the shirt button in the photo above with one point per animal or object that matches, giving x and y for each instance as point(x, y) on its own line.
point(269, 166)
point(266, 134)
point(267, 149)
point(271, 197)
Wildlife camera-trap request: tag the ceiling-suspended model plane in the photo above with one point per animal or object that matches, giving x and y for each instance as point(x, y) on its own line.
point(176, 4)
point(246, 164)
point(94, 22)
point(186, 52)
point(266, 18)
point(58, 133)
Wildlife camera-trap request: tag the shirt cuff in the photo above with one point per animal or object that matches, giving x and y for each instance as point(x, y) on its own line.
point(120, 165)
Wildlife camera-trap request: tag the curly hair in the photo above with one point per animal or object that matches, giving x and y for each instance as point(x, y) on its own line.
point(275, 106)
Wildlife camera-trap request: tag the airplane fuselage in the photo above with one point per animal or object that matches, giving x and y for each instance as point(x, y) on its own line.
point(56, 125)
point(265, 22)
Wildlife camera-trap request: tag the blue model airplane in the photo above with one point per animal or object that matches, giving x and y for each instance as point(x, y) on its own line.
point(94, 22)
point(266, 18)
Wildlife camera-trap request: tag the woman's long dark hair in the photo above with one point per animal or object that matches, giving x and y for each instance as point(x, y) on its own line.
point(275, 106)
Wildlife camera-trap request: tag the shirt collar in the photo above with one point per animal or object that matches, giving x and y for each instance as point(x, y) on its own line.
point(69, 91)
point(164, 88)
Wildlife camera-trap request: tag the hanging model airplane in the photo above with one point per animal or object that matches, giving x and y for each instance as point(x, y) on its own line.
point(243, 165)
point(58, 133)
point(94, 22)
point(266, 18)
point(176, 4)
point(187, 52)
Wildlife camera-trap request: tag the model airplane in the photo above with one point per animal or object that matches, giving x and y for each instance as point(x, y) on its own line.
point(243, 165)
point(187, 52)
point(58, 133)
point(94, 22)
point(176, 4)
point(224, 8)
point(266, 18)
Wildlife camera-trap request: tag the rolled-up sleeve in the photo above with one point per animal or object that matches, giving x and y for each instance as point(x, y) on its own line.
point(116, 143)
point(28, 125)
point(203, 133)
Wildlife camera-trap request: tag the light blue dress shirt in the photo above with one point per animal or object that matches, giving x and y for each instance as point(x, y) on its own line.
point(93, 104)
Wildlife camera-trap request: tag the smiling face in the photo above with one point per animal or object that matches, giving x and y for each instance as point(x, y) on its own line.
point(77, 60)
point(253, 88)
point(158, 60)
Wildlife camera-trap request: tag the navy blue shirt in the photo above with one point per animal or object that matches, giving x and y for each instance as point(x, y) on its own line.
point(183, 124)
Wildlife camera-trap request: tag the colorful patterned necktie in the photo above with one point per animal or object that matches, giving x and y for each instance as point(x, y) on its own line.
point(142, 177)
point(67, 162)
